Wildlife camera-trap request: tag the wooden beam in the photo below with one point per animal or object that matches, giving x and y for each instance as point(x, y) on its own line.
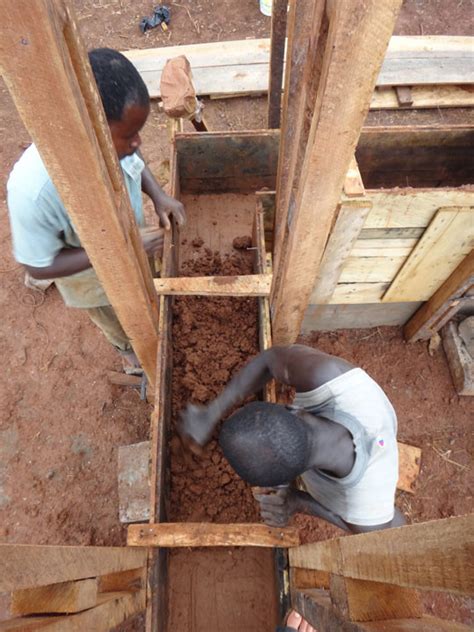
point(113, 608)
point(427, 59)
point(79, 155)
point(27, 566)
point(244, 285)
point(435, 555)
point(353, 184)
point(409, 463)
point(349, 222)
point(431, 316)
point(236, 68)
point(360, 600)
point(65, 597)
point(439, 96)
point(353, 55)
point(277, 54)
point(447, 241)
point(189, 534)
point(315, 606)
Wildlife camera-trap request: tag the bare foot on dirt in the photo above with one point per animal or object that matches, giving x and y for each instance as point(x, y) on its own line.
point(296, 622)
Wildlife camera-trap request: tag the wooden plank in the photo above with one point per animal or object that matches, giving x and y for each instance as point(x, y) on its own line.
point(129, 581)
point(348, 293)
point(242, 66)
point(371, 269)
point(79, 151)
point(409, 463)
point(238, 285)
point(430, 317)
point(357, 316)
point(448, 239)
point(427, 60)
point(65, 597)
point(367, 234)
point(406, 209)
point(409, 156)
point(277, 54)
point(360, 600)
point(134, 482)
point(383, 247)
point(349, 222)
point(460, 362)
point(353, 185)
point(211, 162)
point(303, 578)
point(435, 555)
point(27, 565)
point(307, 35)
point(188, 534)
point(315, 606)
point(112, 609)
point(404, 96)
point(438, 96)
point(335, 129)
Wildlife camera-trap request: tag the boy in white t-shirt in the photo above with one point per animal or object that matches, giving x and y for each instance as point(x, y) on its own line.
point(339, 436)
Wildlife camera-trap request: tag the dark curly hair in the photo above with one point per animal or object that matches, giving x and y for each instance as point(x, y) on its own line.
point(265, 444)
point(119, 82)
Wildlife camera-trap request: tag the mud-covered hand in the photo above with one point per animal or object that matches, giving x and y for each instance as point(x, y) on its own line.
point(152, 240)
point(277, 504)
point(165, 206)
point(197, 425)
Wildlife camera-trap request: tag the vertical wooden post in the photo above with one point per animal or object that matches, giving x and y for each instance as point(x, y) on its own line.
point(356, 41)
point(45, 67)
point(277, 53)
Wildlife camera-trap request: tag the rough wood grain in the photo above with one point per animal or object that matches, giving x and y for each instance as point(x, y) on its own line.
point(446, 242)
point(425, 97)
point(112, 609)
point(243, 285)
point(432, 315)
point(188, 534)
point(133, 475)
point(27, 566)
point(239, 67)
point(409, 463)
point(80, 151)
point(315, 606)
point(65, 597)
point(349, 222)
point(356, 315)
point(437, 555)
point(371, 269)
point(335, 129)
point(277, 54)
point(360, 600)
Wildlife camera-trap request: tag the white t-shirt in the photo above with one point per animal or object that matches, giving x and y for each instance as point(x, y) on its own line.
point(366, 496)
point(41, 226)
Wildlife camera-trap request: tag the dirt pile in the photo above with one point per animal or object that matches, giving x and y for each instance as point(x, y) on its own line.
point(212, 339)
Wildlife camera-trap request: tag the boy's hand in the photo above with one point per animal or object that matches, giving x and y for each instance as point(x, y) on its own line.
point(196, 426)
point(165, 205)
point(277, 504)
point(152, 240)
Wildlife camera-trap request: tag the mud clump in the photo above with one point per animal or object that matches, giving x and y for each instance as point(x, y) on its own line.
point(242, 243)
point(212, 339)
point(197, 242)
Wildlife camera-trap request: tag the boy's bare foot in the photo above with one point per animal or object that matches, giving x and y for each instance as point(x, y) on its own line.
point(296, 622)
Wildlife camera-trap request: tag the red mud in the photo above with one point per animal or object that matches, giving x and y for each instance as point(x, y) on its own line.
point(212, 340)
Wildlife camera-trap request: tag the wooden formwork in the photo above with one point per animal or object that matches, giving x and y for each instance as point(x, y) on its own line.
point(204, 165)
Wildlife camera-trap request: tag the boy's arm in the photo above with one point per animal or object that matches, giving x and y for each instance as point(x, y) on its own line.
point(164, 204)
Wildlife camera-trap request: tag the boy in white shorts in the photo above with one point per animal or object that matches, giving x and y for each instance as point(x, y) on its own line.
point(339, 436)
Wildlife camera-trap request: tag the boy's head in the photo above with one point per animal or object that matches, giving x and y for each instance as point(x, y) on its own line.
point(265, 444)
point(124, 96)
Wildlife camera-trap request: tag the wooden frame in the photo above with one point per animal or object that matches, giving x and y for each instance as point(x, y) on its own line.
point(373, 576)
point(102, 586)
point(80, 151)
point(326, 162)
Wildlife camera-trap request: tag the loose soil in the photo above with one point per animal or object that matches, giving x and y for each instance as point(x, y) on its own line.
point(61, 422)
